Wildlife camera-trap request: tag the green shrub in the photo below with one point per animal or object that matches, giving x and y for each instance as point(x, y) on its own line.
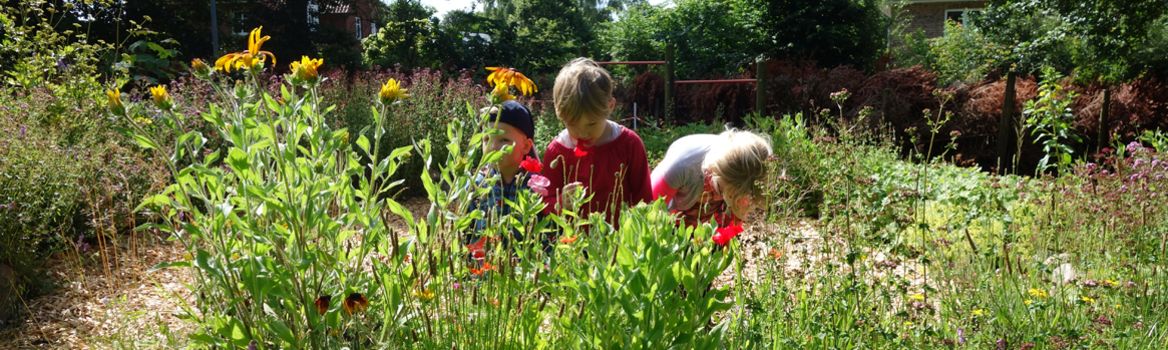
point(66, 174)
point(961, 55)
point(40, 199)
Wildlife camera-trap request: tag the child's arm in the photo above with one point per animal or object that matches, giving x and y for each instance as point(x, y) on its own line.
point(661, 188)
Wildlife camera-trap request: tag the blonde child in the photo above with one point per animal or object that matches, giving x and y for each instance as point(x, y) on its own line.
point(707, 176)
point(593, 153)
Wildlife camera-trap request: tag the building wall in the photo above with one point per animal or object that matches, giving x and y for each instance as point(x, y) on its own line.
point(930, 17)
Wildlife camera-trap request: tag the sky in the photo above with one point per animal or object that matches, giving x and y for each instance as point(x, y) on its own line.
point(444, 6)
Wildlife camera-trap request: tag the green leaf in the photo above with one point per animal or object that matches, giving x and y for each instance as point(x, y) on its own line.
point(282, 331)
point(144, 141)
point(169, 264)
point(363, 144)
point(237, 159)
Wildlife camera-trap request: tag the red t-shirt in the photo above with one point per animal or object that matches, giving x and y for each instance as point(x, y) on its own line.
point(615, 173)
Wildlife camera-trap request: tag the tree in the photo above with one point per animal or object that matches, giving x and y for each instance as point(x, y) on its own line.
point(1109, 34)
point(410, 37)
point(831, 32)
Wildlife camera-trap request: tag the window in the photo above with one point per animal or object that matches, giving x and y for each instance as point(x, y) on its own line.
point(372, 28)
point(313, 15)
point(959, 16)
point(239, 23)
point(357, 28)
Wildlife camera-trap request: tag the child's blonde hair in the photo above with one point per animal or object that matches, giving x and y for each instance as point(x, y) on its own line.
point(736, 164)
point(583, 89)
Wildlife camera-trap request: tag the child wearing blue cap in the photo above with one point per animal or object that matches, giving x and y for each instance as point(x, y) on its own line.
point(514, 169)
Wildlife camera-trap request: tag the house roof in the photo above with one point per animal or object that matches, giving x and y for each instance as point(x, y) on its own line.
point(336, 8)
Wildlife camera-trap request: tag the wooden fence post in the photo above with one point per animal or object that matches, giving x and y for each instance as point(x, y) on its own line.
point(669, 80)
point(759, 85)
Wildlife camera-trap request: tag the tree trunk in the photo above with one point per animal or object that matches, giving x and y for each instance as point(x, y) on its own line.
point(1006, 125)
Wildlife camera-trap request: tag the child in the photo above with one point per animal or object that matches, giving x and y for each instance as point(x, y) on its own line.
point(704, 175)
point(513, 169)
point(593, 153)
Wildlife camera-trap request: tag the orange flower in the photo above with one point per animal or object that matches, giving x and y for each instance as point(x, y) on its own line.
point(248, 59)
point(484, 269)
point(569, 239)
point(511, 77)
point(776, 253)
point(322, 303)
point(355, 302)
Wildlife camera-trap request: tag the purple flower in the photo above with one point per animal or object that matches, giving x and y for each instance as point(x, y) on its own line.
point(961, 336)
point(82, 245)
point(23, 129)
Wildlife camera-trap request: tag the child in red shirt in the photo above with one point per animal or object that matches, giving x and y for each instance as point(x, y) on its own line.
point(593, 153)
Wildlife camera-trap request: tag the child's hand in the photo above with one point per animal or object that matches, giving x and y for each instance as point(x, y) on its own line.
point(569, 194)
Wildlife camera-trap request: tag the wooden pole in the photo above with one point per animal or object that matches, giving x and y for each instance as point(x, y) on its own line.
point(669, 82)
point(759, 86)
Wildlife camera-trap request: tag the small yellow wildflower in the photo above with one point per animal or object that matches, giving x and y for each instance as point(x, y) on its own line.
point(978, 312)
point(248, 59)
point(1038, 293)
point(200, 68)
point(1087, 299)
point(305, 70)
point(1110, 283)
point(1028, 302)
point(160, 97)
point(115, 101)
point(1118, 306)
point(392, 92)
point(424, 294)
point(908, 324)
point(917, 297)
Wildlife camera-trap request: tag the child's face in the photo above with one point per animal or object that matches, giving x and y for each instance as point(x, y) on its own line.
point(589, 128)
point(510, 136)
point(586, 129)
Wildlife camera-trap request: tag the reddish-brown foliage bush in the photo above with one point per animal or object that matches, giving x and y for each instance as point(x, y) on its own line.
point(898, 98)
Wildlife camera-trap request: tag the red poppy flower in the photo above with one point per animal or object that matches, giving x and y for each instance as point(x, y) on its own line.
point(355, 302)
point(569, 239)
point(580, 151)
point(478, 249)
point(531, 164)
point(727, 233)
point(322, 303)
